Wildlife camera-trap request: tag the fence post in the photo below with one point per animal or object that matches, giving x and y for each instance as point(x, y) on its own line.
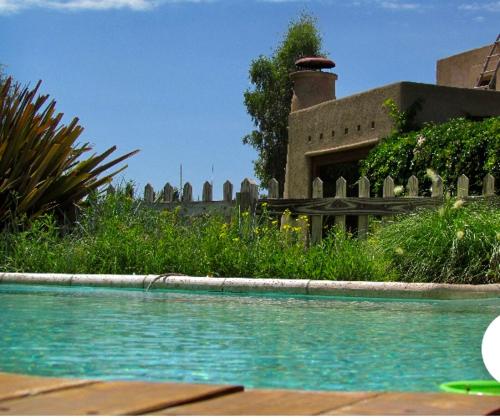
point(364, 192)
point(149, 194)
point(462, 186)
point(187, 193)
point(340, 192)
point(488, 185)
point(168, 193)
point(317, 221)
point(437, 186)
point(388, 192)
point(249, 195)
point(207, 192)
point(274, 189)
point(412, 186)
point(227, 191)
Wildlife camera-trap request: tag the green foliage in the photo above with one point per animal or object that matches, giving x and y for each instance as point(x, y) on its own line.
point(119, 235)
point(403, 120)
point(269, 102)
point(457, 147)
point(459, 243)
point(40, 168)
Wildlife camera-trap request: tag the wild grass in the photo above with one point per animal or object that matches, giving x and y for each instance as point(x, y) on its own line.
point(458, 243)
point(117, 235)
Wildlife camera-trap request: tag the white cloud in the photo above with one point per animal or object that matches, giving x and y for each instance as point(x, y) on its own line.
point(11, 6)
point(493, 6)
point(397, 5)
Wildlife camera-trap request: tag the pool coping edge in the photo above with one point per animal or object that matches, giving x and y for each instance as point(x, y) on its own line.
point(367, 289)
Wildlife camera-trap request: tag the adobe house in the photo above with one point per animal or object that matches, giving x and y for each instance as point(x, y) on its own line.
point(328, 136)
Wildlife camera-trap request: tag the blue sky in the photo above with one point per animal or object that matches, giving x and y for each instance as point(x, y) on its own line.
point(168, 76)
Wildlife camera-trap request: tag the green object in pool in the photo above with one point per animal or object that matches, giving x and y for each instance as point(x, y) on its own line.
point(472, 387)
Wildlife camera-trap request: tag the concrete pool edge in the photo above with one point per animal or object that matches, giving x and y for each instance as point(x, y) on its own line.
point(332, 288)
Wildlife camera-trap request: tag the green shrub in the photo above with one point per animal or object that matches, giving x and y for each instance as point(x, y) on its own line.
point(119, 235)
point(40, 166)
point(457, 147)
point(459, 243)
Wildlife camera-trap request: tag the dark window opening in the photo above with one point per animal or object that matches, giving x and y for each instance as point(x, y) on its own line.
point(333, 133)
point(346, 131)
point(359, 128)
point(373, 124)
point(309, 138)
point(321, 136)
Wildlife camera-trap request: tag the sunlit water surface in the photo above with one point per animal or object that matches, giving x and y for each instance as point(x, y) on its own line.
point(256, 341)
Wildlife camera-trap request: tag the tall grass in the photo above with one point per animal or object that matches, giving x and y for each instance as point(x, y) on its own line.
point(119, 235)
point(458, 243)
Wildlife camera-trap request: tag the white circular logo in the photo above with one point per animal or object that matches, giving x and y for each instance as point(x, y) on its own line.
point(491, 349)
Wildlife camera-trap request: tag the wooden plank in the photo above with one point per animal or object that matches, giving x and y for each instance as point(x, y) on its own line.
point(187, 193)
point(375, 206)
point(227, 191)
point(168, 193)
point(388, 192)
point(462, 186)
point(340, 192)
point(412, 186)
point(16, 386)
point(363, 192)
point(421, 404)
point(149, 193)
point(274, 188)
point(249, 194)
point(488, 185)
point(207, 194)
point(317, 221)
point(114, 398)
point(437, 187)
point(269, 402)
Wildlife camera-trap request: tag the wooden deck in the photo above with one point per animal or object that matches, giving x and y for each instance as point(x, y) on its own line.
point(29, 395)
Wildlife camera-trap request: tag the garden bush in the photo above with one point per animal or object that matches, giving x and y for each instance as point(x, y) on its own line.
point(459, 146)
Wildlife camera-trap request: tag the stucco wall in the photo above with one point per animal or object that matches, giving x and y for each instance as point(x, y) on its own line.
point(462, 70)
point(321, 129)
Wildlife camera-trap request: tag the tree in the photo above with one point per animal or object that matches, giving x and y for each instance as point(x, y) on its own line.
point(269, 102)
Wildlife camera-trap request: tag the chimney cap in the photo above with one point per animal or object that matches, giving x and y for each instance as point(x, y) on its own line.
point(314, 63)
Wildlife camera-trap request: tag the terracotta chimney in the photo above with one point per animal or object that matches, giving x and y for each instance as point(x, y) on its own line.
point(311, 86)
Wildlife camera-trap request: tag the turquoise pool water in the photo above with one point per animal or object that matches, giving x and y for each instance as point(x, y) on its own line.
point(256, 341)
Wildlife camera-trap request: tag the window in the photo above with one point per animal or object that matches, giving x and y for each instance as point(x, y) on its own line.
point(321, 136)
point(333, 133)
point(346, 131)
point(309, 139)
point(359, 128)
point(373, 124)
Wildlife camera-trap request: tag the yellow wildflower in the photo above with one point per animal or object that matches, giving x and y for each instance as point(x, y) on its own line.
point(460, 235)
point(236, 239)
point(457, 204)
point(399, 251)
point(274, 222)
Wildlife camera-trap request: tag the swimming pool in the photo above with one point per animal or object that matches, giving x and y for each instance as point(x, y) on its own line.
point(257, 341)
